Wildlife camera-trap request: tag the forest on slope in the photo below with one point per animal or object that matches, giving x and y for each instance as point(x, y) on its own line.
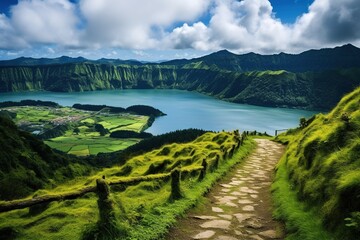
point(315, 79)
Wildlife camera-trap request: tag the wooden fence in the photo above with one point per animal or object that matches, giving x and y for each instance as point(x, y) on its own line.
point(102, 186)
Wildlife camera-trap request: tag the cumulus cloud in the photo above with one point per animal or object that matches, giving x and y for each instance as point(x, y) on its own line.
point(51, 21)
point(328, 22)
point(240, 26)
point(137, 24)
point(250, 25)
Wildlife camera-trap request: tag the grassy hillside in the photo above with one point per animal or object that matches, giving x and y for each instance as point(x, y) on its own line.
point(29, 164)
point(318, 179)
point(141, 210)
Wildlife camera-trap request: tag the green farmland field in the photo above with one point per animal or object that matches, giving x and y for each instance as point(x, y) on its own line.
point(86, 141)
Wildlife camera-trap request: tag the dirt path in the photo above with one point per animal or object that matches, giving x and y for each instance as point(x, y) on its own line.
point(239, 207)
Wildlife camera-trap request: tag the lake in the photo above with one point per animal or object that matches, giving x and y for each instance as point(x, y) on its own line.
point(184, 109)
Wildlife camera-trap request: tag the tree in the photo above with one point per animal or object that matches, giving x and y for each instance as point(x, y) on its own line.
point(76, 131)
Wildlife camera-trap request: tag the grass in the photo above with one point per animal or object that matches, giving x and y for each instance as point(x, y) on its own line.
point(88, 141)
point(143, 211)
point(320, 165)
point(300, 221)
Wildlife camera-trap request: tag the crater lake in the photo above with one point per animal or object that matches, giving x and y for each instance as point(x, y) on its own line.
point(184, 109)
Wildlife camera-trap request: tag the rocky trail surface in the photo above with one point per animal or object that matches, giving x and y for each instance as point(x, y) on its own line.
point(239, 207)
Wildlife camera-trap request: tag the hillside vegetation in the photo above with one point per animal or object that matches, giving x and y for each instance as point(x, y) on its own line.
point(314, 79)
point(29, 164)
point(318, 179)
point(143, 205)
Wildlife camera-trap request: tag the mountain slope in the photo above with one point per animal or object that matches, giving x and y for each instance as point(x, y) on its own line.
point(29, 164)
point(315, 79)
point(322, 165)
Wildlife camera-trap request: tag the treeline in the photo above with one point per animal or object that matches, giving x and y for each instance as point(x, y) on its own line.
point(129, 134)
point(146, 145)
point(137, 109)
point(28, 103)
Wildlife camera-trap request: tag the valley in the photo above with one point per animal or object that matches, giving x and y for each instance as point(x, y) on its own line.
point(91, 159)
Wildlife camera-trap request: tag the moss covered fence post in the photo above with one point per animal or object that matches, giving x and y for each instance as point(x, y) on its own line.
point(175, 185)
point(203, 171)
point(107, 222)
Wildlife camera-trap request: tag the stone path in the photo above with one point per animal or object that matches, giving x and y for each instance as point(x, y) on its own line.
point(239, 207)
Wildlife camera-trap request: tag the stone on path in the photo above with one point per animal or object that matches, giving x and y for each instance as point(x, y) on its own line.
point(220, 224)
point(242, 217)
point(270, 234)
point(205, 234)
point(254, 223)
point(245, 201)
point(205, 217)
point(225, 238)
point(248, 208)
point(217, 209)
point(226, 216)
point(256, 237)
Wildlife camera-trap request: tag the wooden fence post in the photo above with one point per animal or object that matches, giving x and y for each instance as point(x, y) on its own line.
point(107, 221)
point(175, 185)
point(203, 171)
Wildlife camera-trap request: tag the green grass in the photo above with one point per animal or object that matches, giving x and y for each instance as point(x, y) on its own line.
point(88, 141)
point(321, 166)
point(300, 221)
point(143, 211)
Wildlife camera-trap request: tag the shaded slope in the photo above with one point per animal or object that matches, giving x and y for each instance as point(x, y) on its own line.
point(322, 164)
point(29, 164)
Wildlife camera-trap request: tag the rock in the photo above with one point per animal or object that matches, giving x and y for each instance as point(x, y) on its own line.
point(217, 209)
point(205, 234)
point(254, 223)
point(248, 208)
point(270, 234)
point(228, 217)
point(255, 237)
point(225, 238)
point(205, 217)
point(242, 217)
point(221, 224)
point(245, 201)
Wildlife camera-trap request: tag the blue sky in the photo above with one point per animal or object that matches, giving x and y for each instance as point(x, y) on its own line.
point(153, 30)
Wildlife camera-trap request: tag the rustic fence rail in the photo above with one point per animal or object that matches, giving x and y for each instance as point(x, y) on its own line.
point(175, 176)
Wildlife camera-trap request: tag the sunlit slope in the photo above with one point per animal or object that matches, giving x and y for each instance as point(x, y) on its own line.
point(322, 163)
point(141, 211)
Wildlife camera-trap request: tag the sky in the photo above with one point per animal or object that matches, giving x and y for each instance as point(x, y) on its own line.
point(155, 30)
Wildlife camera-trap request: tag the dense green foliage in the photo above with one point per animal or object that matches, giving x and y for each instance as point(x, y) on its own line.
point(313, 79)
point(322, 166)
point(29, 164)
point(28, 103)
point(129, 134)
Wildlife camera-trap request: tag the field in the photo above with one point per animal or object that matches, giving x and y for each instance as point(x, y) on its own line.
point(85, 140)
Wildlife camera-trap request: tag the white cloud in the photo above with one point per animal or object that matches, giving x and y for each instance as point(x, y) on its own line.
point(51, 21)
point(138, 25)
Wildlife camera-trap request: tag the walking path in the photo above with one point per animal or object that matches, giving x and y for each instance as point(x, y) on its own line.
point(240, 206)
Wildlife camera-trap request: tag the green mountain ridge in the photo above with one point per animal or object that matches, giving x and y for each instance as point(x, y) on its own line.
point(321, 164)
point(315, 79)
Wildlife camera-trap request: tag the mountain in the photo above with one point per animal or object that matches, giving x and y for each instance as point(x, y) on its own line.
point(347, 56)
point(315, 79)
point(28, 61)
point(322, 166)
point(29, 164)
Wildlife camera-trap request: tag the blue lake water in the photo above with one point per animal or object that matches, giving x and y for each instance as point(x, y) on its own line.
point(184, 109)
